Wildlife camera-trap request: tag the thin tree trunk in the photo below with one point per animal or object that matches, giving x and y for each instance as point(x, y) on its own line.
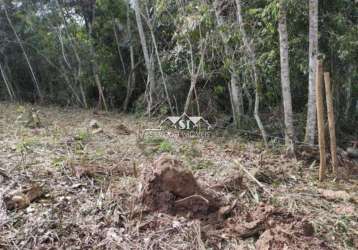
point(331, 121)
point(160, 68)
point(130, 81)
point(115, 27)
point(231, 100)
point(257, 116)
point(252, 57)
point(77, 75)
point(131, 76)
point(313, 51)
point(83, 95)
point(249, 98)
point(190, 94)
point(348, 94)
point(236, 93)
point(67, 64)
point(34, 78)
point(194, 74)
point(285, 74)
point(100, 90)
point(101, 97)
point(148, 64)
point(7, 84)
point(68, 82)
point(320, 121)
point(235, 90)
point(63, 49)
point(197, 102)
point(155, 45)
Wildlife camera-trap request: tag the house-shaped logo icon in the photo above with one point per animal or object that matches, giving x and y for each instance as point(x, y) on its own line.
point(185, 122)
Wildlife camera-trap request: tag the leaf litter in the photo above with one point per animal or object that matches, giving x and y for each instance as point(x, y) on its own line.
point(100, 191)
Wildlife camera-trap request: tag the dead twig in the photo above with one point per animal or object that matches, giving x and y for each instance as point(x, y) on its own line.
point(252, 177)
point(192, 197)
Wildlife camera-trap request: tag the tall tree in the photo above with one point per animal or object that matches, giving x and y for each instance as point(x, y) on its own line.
point(131, 75)
point(348, 93)
point(285, 73)
point(313, 51)
point(78, 71)
point(192, 36)
point(195, 72)
point(148, 61)
point(251, 54)
point(34, 78)
point(8, 86)
point(235, 89)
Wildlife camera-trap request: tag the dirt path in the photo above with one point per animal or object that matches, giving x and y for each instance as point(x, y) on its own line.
point(78, 182)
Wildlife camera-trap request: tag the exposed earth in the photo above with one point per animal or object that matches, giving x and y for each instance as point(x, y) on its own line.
point(79, 179)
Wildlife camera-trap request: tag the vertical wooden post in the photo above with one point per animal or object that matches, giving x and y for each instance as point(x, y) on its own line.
point(331, 121)
point(320, 120)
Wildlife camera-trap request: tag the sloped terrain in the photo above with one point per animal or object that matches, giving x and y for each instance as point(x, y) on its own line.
point(85, 180)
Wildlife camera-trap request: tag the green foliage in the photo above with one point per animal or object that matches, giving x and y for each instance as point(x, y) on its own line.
point(152, 144)
point(165, 146)
point(64, 53)
point(219, 89)
point(82, 135)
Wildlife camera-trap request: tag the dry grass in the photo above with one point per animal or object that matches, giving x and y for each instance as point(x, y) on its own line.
point(103, 209)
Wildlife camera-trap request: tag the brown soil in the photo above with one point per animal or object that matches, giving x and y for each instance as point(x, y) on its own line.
point(64, 187)
point(172, 188)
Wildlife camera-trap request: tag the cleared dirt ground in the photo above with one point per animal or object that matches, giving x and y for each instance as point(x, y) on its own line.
point(75, 183)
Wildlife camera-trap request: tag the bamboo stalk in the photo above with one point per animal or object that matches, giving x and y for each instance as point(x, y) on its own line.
point(34, 78)
point(320, 120)
point(7, 84)
point(331, 121)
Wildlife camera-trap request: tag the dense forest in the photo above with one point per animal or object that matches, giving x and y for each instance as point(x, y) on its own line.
point(240, 58)
point(82, 81)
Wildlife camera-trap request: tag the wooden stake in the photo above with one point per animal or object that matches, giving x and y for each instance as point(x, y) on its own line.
point(331, 122)
point(320, 120)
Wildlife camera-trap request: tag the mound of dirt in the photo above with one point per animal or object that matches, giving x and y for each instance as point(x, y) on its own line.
point(171, 188)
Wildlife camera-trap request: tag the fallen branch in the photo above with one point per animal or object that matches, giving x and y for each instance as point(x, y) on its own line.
point(192, 197)
point(252, 177)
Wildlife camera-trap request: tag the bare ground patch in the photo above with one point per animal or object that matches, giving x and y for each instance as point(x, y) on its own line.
point(106, 190)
